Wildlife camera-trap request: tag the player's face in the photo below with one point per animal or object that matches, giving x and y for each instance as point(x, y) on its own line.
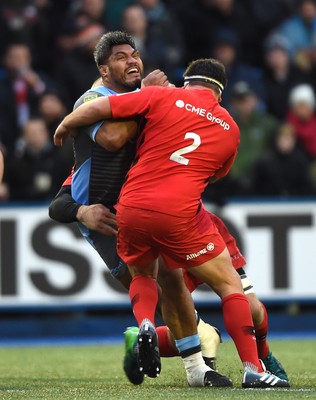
point(124, 69)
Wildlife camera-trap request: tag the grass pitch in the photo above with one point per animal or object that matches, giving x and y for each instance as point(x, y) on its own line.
point(95, 372)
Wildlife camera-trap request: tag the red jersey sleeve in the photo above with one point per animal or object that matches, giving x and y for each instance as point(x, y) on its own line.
point(132, 104)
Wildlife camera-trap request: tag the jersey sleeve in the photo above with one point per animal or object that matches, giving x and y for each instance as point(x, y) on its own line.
point(127, 105)
point(91, 130)
point(63, 207)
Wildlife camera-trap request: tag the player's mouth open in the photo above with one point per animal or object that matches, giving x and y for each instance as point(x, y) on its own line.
point(133, 71)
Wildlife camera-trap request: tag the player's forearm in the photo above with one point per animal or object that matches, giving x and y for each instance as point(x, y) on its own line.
point(84, 115)
point(63, 207)
point(88, 114)
point(113, 135)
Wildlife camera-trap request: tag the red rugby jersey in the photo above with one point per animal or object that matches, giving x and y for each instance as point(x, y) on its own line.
point(188, 138)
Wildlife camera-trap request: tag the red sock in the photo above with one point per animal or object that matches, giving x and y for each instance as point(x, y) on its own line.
point(239, 325)
point(261, 336)
point(143, 292)
point(167, 347)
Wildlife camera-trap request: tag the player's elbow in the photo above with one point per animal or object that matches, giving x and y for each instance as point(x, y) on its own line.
point(52, 211)
point(111, 144)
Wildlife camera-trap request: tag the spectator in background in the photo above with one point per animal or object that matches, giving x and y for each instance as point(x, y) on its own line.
point(269, 14)
point(195, 19)
point(280, 75)
point(302, 116)
point(1, 166)
point(282, 170)
point(134, 21)
point(30, 21)
point(165, 25)
point(238, 16)
point(94, 10)
point(76, 70)
point(36, 170)
point(52, 110)
point(226, 50)
point(256, 131)
point(20, 91)
point(106, 12)
point(201, 20)
point(300, 31)
point(67, 40)
point(114, 11)
point(4, 191)
point(154, 50)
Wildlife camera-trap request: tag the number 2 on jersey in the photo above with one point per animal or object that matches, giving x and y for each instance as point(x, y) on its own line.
point(177, 155)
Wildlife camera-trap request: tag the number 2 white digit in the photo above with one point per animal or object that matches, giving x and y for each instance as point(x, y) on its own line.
point(177, 155)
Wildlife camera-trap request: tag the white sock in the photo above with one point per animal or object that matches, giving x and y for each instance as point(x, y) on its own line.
point(195, 369)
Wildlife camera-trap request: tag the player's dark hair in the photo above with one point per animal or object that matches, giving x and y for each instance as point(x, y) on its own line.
point(104, 46)
point(206, 71)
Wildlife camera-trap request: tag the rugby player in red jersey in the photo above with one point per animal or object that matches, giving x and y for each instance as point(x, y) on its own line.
point(97, 179)
point(96, 218)
point(188, 141)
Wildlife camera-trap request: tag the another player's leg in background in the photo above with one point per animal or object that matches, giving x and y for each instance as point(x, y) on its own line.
point(220, 275)
point(258, 311)
point(260, 320)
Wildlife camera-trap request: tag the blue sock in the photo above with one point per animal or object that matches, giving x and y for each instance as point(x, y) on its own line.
point(189, 345)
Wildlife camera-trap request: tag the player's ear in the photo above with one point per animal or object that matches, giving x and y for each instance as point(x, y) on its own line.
point(104, 70)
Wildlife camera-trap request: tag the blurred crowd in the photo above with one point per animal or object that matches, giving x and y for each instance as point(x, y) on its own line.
point(268, 48)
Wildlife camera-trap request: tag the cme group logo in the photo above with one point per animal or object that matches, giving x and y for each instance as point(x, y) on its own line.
point(180, 103)
point(202, 112)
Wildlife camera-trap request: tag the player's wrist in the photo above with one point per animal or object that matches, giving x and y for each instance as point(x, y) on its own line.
point(80, 213)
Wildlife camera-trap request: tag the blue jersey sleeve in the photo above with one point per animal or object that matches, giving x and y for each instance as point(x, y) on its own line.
point(90, 95)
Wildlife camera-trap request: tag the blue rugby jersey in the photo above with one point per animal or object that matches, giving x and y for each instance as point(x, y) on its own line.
point(98, 174)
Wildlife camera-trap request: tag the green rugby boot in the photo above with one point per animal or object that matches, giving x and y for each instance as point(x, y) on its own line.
point(130, 362)
point(275, 367)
